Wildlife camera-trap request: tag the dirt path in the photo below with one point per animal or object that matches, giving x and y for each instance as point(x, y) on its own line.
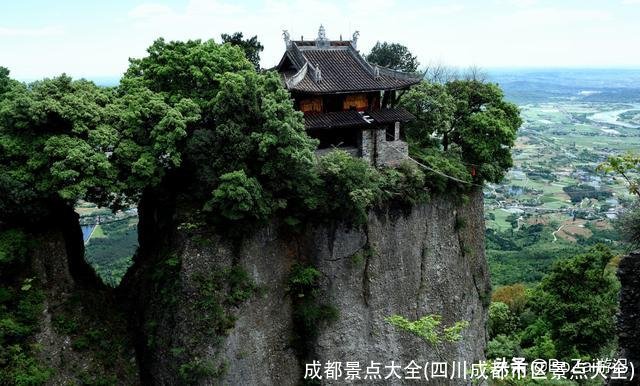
point(554, 233)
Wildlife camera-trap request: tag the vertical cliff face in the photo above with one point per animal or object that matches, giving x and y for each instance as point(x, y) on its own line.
point(629, 314)
point(426, 260)
point(80, 334)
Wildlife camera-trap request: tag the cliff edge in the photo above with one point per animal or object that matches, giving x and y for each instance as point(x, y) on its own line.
point(224, 312)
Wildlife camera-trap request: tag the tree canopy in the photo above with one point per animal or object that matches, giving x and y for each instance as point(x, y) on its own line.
point(233, 132)
point(251, 47)
point(54, 145)
point(578, 300)
point(195, 120)
point(394, 56)
point(466, 116)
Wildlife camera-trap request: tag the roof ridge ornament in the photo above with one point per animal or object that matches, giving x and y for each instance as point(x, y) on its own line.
point(376, 71)
point(321, 40)
point(354, 39)
point(317, 75)
point(287, 38)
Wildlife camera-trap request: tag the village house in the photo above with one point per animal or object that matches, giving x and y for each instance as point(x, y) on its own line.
point(348, 103)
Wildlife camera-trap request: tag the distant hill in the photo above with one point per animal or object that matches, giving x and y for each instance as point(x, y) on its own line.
point(525, 86)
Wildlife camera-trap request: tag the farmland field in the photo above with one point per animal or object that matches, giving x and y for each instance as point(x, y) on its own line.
point(554, 199)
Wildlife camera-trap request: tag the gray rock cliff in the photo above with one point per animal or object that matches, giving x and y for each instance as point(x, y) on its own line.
point(628, 324)
point(425, 260)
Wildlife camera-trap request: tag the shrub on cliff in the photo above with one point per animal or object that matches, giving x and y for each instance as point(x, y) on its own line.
point(351, 186)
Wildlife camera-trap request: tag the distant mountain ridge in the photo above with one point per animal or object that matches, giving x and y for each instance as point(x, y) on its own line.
point(524, 86)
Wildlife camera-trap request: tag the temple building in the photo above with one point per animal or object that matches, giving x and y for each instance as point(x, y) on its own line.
point(347, 102)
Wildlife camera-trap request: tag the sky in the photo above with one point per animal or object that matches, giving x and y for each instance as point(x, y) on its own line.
point(46, 38)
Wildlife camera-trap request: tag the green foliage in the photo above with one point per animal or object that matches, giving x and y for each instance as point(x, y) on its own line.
point(484, 127)
point(501, 320)
point(309, 313)
point(503, 346)
point(190, 69)
point(364, 254)
point(625, 165)
point(13, 247)
point(467, 117)
point(152, 130)
point(22, 367)
point(433, 108)
point(578, 299)
point(578, 193)
point(251, 47)
point(429, 328)
point(245, 123)
point(394, 56)
point(405, 183)
point(570, 314)
point(239, 197)
point(21, 304)
point(445, 163)
point(193, 372)
point(53, 147)
point(351, 186)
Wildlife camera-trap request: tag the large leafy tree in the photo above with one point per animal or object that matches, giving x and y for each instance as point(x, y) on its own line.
point(394, 56)
point(152, 131)
point(433, 107)
point(232, 126)
point(251, 47)
point(484, 126)
point(578, 301)
point(54, 147)
point(469, 117)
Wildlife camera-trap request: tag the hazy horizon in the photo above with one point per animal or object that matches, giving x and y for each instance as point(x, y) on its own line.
point(95, 40)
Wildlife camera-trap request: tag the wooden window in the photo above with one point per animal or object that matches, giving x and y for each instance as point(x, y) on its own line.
point(311, 106)
point(358, 102)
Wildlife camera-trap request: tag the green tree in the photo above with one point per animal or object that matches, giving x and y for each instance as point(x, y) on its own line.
point(54, 147)
point(433, 108)
point(468, 118)
point(394, 56)
point(484, 127)
point(251, 47)
point(578, 300)
point(152, 132)
point(351, 186)
point(225, 119)
point(624, 165)
point(501, 320)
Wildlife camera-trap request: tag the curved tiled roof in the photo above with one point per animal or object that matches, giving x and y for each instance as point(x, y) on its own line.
point(353, 118)
point(341, 70)
point(334, 119)
point(391, 115)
